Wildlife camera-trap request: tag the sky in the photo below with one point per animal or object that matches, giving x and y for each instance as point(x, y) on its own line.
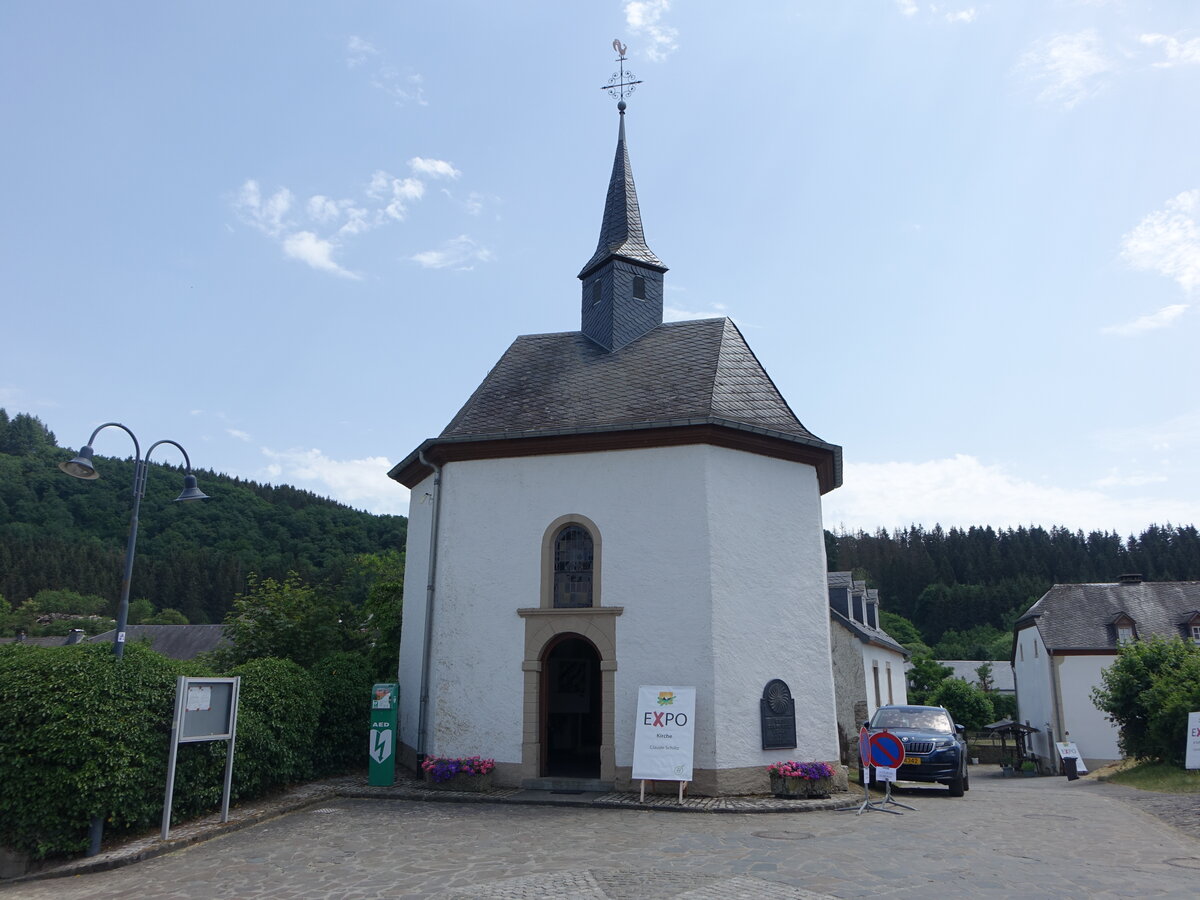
point(963, 237)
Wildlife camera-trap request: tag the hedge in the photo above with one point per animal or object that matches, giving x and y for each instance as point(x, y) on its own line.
point(85, 734)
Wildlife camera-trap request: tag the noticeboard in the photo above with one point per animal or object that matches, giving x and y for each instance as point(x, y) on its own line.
point(207, 710)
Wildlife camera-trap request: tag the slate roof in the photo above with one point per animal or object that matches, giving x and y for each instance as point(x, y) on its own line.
point(175, 641)
point(866, 633)
point(1080, 616)
point(1003, 679)
point(621, 228)
point(677, 373)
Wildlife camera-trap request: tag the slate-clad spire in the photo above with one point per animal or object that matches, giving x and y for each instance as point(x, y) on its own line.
point(621, 230)
point(623, 281)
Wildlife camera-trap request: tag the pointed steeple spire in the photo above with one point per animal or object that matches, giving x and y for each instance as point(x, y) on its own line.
point(623, 281)
point(621, 232)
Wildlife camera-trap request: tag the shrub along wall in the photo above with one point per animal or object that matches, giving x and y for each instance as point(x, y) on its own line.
point(84, 734)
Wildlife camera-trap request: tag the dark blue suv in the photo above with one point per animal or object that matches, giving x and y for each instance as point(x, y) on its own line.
point(934, 747)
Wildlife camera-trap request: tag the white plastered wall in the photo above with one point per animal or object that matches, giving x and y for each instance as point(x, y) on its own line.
point(882, 657)
point(1035, 689)
point(1094, 735)
point(770, 604)
point(680, 528)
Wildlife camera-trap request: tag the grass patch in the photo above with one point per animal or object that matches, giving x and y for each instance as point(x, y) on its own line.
point(1159, 777)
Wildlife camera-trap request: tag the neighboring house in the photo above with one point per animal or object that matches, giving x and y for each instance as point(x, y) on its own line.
point(868, 664)
point(1066, 639)
point(1001, 678)
point(175, 641)
point(633, 503)
point(74, 636)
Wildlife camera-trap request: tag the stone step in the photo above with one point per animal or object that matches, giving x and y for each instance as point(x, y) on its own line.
point(566, 784)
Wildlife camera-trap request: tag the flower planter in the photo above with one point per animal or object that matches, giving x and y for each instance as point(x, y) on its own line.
point(800, 788)
point(460, 782)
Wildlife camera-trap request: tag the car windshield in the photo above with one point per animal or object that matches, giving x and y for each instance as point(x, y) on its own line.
point(916, 719)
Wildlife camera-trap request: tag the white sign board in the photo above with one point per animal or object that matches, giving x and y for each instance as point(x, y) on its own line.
point(664, 734)
point(1192, 759)
point(1068, 750)
point(883, 773)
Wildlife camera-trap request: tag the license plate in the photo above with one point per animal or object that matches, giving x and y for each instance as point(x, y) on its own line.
point(912, 760)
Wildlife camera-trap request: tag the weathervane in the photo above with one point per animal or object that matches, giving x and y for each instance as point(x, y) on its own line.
point(622, 82)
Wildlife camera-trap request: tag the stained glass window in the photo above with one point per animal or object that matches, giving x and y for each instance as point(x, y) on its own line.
point(572, 568)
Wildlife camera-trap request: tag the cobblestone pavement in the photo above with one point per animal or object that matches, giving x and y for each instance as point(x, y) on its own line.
point(1042, 837)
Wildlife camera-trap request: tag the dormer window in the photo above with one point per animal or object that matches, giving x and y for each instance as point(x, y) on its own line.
point(1196, 633)
point(1125, 630)
point(1191, 627)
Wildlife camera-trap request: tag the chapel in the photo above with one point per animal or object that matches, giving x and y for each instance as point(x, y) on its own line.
point(632, 503)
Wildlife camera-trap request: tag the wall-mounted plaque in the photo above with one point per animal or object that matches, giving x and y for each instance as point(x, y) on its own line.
point(777, 710)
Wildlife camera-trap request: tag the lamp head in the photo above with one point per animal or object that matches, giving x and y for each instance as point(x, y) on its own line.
point(81, 466)
point(190, 491)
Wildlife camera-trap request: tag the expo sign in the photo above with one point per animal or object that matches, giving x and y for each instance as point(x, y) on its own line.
point(664, 734)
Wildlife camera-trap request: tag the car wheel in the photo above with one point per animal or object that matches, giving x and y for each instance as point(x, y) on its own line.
point(957, 786)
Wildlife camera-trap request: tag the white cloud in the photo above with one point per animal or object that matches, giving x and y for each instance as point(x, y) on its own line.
point(1070, 67)
point(237, 433)
point(676, 314)
point(322, 209)
point(434, 168)
point(907, 7)
point(1177, 52)
point(961, 491)
point(1115, 479)
point(963, 15)
point(459, 253)
point(268, 216)
point(403, 89)
point(357, 51)
point(362, 483)
point(1161, 319)
point(644, 18)
point(317, 252)
point(397, 193)
point(1168, 241)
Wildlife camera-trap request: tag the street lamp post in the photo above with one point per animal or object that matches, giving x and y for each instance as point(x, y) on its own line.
point(82, 467)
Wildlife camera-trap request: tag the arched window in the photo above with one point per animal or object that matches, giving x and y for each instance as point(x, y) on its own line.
point(572, 567)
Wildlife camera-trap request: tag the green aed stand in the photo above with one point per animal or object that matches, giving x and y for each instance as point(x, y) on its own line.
point(382, 748)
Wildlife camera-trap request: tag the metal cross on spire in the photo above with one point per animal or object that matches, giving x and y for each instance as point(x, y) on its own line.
point(622, 82)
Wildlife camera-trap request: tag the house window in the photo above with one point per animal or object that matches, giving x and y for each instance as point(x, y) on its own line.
point(1035, 648)
point(1196, 633)
point(1021, 651)
point(875, 672)
point(596, 292)
point(572, 567)
point(891, 698)
point(639, 287)
point(1124, 633)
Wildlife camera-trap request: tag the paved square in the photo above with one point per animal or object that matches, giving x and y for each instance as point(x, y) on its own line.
point(1043, 837)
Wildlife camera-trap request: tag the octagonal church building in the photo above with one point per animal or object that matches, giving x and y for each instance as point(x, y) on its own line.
point(633, 503)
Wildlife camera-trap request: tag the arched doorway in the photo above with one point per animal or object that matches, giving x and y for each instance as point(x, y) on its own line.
point(572, 720)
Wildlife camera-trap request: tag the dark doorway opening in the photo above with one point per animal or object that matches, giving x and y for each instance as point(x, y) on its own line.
point(572, 721)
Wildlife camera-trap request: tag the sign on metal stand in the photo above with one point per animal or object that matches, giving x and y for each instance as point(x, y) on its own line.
point(205, 710)
point(885, 752)
point(382, 745)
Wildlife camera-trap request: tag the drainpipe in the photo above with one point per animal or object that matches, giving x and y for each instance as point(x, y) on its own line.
point(426, 654)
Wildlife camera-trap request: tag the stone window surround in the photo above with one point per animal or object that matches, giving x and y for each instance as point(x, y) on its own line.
point(544, 627)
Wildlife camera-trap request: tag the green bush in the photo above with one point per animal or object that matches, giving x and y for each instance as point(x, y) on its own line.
point(1148, 692)
point(85, 734)
point(277, 726)
point(343, 682)
point(967, 704)
point(81, 734)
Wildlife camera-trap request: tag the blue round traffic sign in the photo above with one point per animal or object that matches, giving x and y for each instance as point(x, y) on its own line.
point(864, 746)
point(886, 750)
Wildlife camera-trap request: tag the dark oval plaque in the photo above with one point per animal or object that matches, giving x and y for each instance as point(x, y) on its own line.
point(777, 711)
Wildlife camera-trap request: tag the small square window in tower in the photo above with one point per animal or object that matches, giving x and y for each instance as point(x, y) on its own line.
point(573, 568)
point(639, 287)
